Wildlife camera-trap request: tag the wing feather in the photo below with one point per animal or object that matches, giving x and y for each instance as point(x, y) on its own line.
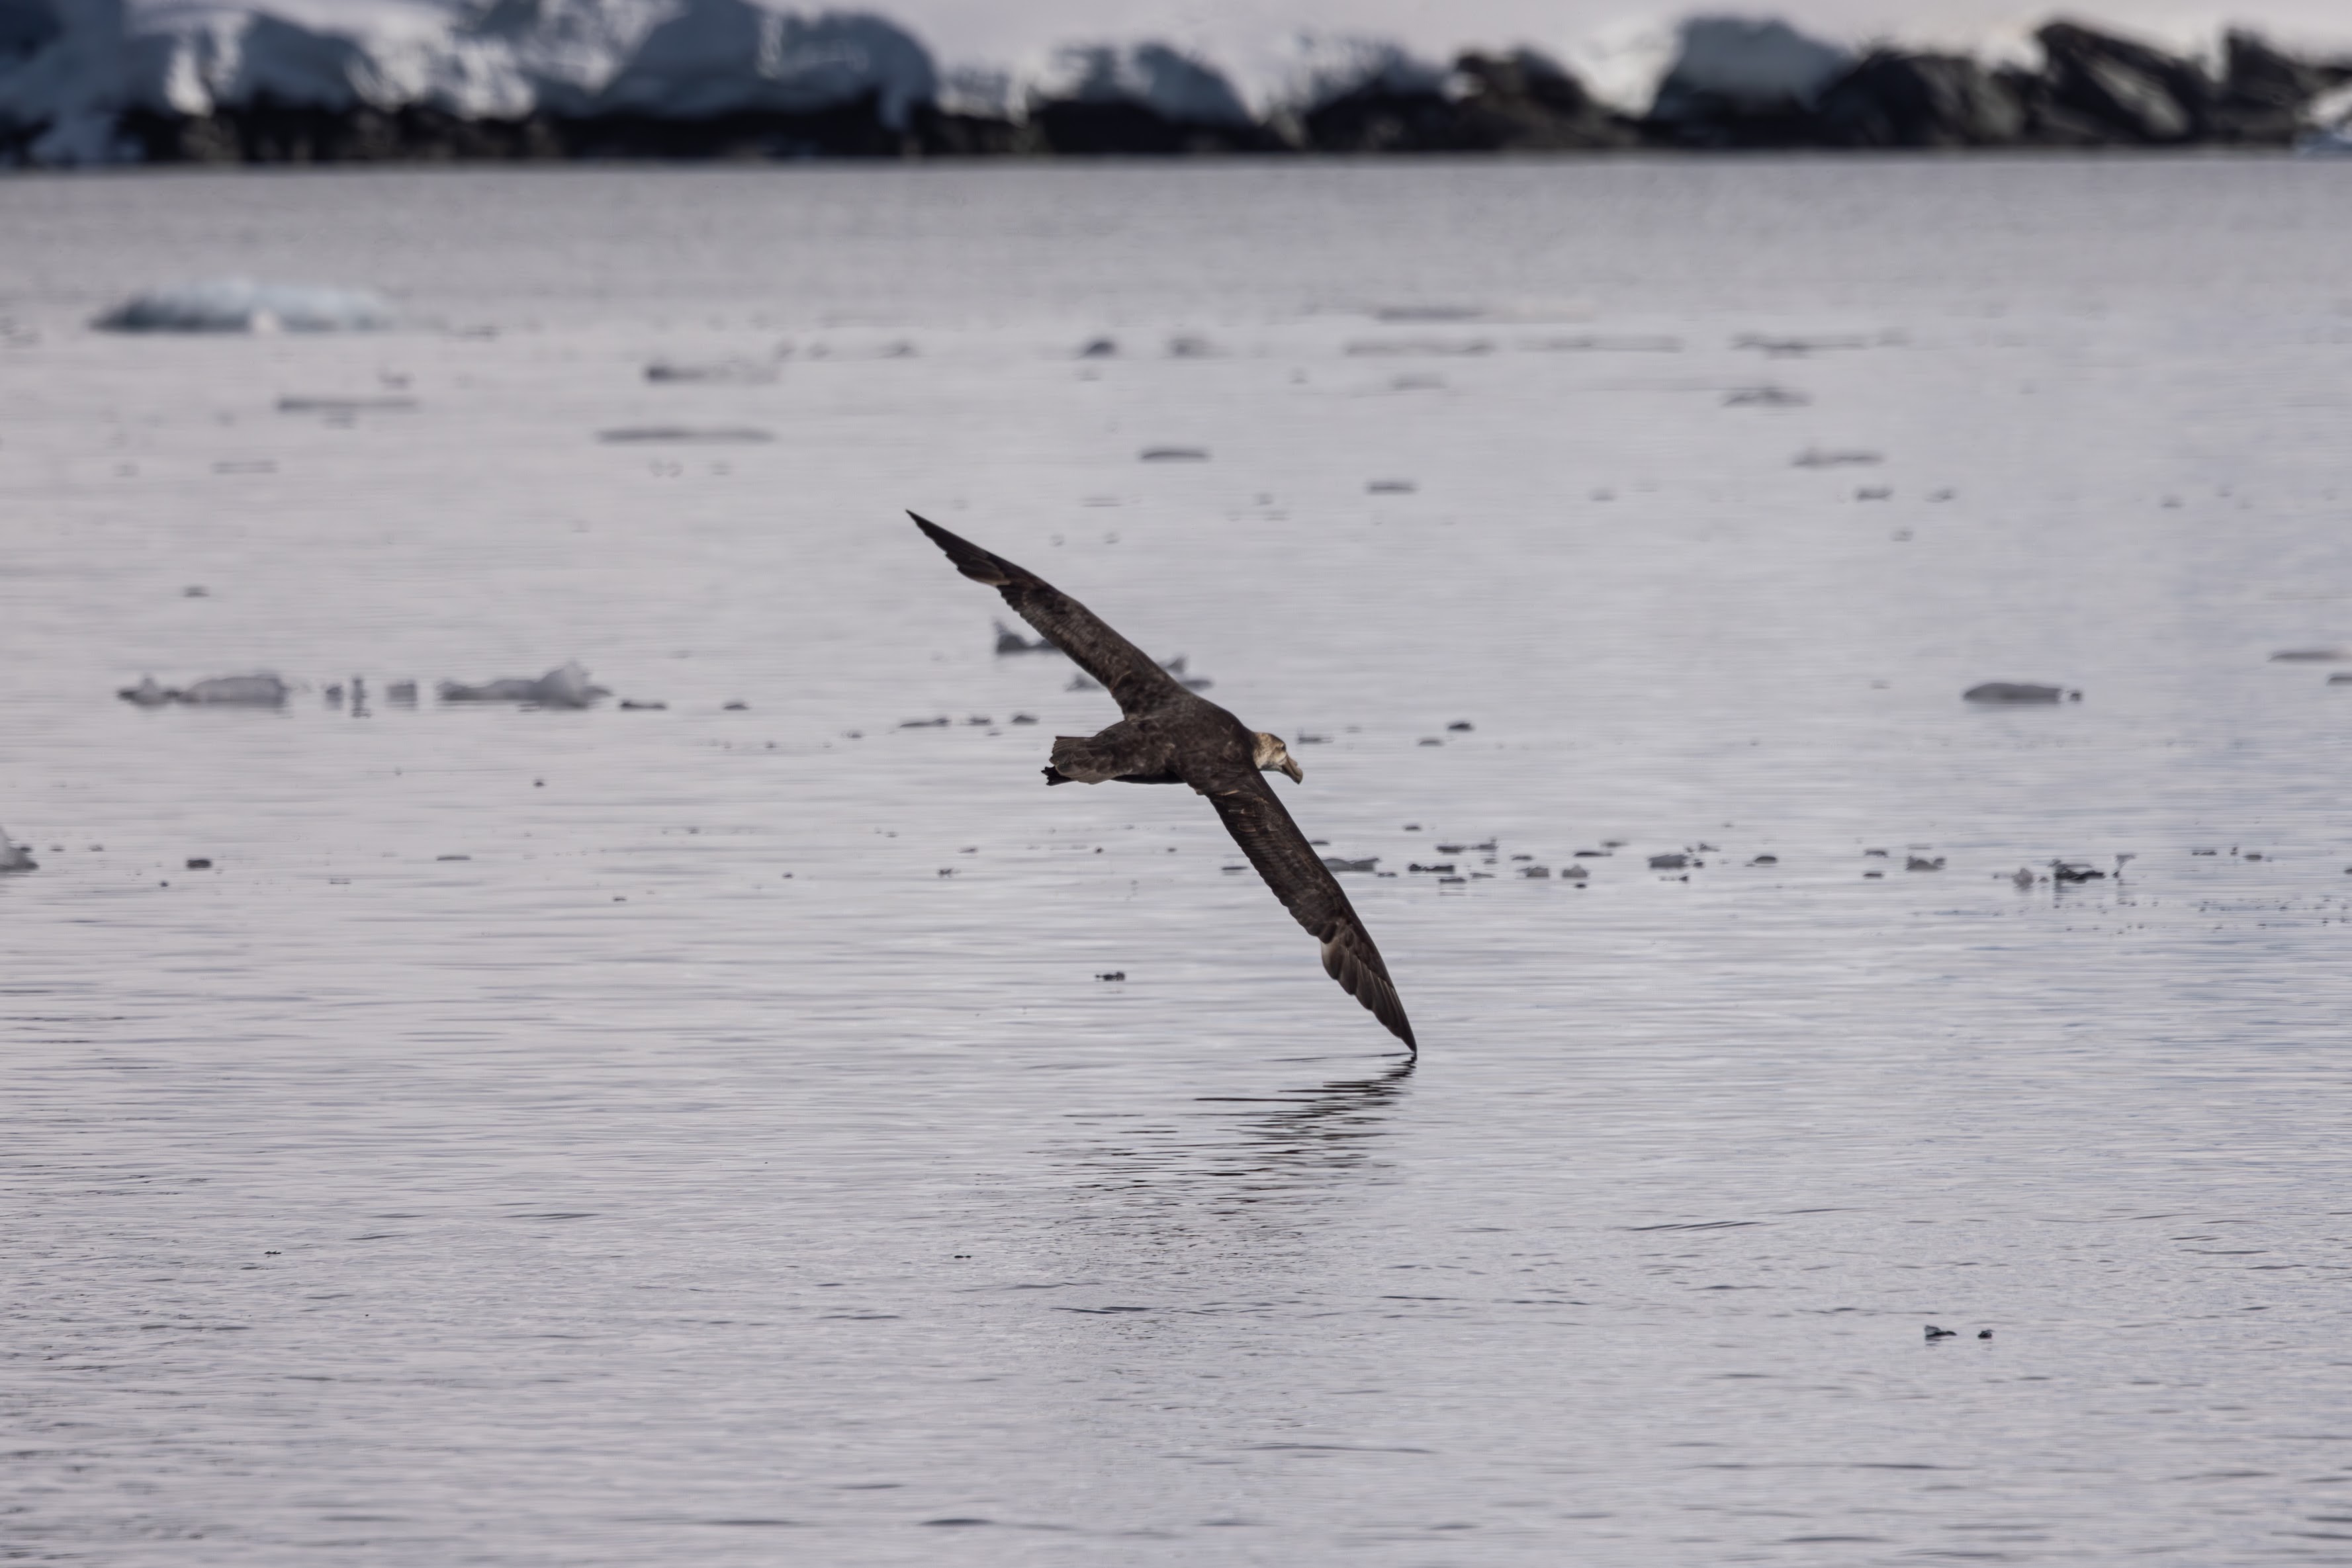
point(1263, 827)
point(1130, 675)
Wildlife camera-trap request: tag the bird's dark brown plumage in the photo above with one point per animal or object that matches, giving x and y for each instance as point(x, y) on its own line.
point(1170, 734)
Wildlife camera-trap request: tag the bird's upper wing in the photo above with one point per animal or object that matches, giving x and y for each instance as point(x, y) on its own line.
point(1262, 826)
point(1131, 676)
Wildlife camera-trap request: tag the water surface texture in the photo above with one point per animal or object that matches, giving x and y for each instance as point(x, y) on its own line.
point(698, 1134)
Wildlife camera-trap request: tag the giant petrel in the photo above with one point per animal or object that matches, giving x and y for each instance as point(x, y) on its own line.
point(1171, 735)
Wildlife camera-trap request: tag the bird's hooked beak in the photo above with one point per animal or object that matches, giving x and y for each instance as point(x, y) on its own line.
point(1273, 756)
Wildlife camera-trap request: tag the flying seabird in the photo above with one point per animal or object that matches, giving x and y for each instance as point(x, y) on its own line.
point(1171, 735)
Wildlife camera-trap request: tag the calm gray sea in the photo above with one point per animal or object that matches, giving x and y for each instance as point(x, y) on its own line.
point(699, 1136)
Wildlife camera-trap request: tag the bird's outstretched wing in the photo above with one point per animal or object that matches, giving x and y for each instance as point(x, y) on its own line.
point(1262, 826)
point(1134, 681)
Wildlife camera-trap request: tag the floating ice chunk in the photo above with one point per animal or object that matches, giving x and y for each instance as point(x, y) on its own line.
point(240, 304)
point(717, 373)
point(1394, 347)
point(262, 690)
point(16, 857)
point(568, 686)
point(345, 407)
point(1765, 397)
point(2018, 692)
point(713, 435)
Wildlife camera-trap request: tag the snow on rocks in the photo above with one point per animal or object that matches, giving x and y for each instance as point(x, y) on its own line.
point(1730, 69)
point(1140, 98)
point(85, 81)
point(240, 304)
point(1171, 84)
point(61, 81)
point(731, 57)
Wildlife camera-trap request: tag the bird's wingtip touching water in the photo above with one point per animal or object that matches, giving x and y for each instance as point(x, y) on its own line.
point(1168, 734)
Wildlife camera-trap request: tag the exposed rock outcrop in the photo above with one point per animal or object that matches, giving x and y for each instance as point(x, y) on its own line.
point(1737, 82)
point(1893, 99)
point(2130, 91)
point(1144, 98)
point(1527, 103)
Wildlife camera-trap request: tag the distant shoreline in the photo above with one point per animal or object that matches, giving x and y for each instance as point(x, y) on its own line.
point(863, 91)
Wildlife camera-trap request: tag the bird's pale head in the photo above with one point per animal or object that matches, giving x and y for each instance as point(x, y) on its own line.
point(1273, 756)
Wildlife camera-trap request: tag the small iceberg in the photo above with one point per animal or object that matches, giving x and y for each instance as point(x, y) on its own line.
point(717, 373)
point(2018, 692)
point(16, 857)
point(566, 687)
point(239, 305)
point(345, 407)
point(263, 690)
point(639, 434)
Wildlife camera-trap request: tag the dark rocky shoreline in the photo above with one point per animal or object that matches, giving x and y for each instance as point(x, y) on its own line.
point(2093, 90)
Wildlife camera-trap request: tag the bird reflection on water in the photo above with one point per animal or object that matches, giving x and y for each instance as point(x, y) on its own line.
point(1239, 1153)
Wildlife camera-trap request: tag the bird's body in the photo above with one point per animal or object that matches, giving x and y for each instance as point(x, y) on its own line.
point(1169, 734)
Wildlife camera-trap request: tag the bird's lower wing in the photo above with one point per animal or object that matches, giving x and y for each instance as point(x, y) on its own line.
point(1263, 827)
point(1132, 678)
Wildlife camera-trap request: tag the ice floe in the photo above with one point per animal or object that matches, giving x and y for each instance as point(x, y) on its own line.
point(260, 690)
point(661, 435)
point(241, 305)
point(2018, 692)
point(567, 686)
